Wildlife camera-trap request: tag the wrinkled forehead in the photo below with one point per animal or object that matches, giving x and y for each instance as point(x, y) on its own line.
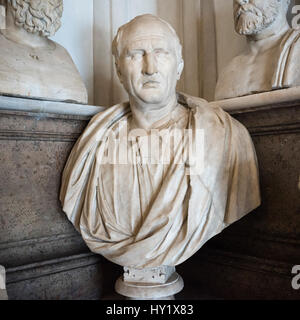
point(145, 31)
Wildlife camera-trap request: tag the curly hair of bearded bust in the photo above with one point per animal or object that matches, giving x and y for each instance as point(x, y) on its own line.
point(37, 16)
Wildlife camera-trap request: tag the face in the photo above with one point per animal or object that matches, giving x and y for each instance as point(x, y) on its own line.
point(148, 66)
point(253, 16)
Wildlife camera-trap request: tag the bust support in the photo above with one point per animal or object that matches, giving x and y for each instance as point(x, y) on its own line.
point(160, 283)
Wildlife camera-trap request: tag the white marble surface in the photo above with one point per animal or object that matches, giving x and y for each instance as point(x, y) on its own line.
point(259, 100)
point(152, 275)
point(41, 106)
point(150, 291)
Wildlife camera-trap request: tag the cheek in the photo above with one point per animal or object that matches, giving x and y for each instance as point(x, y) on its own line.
point(129, 74)
point(168, 66)
point(173, 71)
point(135, 70)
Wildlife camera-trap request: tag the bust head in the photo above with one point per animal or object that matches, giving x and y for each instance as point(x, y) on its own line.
point(36, 16)
point(148, 59)
point(251, 17)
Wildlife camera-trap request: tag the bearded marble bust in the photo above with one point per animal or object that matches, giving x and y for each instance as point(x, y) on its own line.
point(31, 65)
point(271, 60)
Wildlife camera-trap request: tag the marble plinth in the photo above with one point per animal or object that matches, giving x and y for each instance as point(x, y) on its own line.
point(3, 293)
point(261, 101)
point(152, 275)
point(150, 291)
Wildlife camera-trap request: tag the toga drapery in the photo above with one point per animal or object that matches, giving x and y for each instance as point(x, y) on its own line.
point(144, 215)
point(287, 73)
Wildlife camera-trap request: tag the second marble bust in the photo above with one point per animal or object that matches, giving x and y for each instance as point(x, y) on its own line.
point(31, 65)
point(272, 58)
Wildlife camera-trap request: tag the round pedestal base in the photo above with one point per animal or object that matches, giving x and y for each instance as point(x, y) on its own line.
point(150, 291)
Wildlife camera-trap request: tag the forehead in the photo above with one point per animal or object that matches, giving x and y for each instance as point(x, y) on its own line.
point(148, 42)
point(143, 32)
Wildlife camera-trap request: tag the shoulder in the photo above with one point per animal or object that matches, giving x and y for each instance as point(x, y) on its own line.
point(59, 49)
point(110, 115)
point(230, 77)
point(208, 113)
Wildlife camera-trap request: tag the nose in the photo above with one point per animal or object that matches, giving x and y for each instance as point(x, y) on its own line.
point(150, 64)
point(241, 2)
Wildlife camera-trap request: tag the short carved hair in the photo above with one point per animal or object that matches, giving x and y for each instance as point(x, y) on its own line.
point(117, 42)
point(37, 16)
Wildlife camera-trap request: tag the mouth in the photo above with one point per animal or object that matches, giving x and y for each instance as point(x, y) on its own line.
point(151, 84)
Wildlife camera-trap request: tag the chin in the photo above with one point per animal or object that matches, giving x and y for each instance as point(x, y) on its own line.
point(152, 100)
point(152, 97)
point(248, 30)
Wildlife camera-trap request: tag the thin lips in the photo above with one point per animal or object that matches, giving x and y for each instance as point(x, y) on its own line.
point(151, 82)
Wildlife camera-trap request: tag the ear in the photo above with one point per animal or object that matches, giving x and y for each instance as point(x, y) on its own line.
point(180, 68)
point(118, 72)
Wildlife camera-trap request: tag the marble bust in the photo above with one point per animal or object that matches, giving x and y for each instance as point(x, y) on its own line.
point(142, 214)
point(271, 60)
point(31, 65)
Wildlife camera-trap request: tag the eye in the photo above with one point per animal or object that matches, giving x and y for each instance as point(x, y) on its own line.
point(135, 55)
point(161, 52)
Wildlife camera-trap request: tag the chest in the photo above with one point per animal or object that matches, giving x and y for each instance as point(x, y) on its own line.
point(251, 73)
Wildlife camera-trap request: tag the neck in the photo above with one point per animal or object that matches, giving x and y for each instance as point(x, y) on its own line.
point(267, 39)
point(20, 35)
point(146, 115)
